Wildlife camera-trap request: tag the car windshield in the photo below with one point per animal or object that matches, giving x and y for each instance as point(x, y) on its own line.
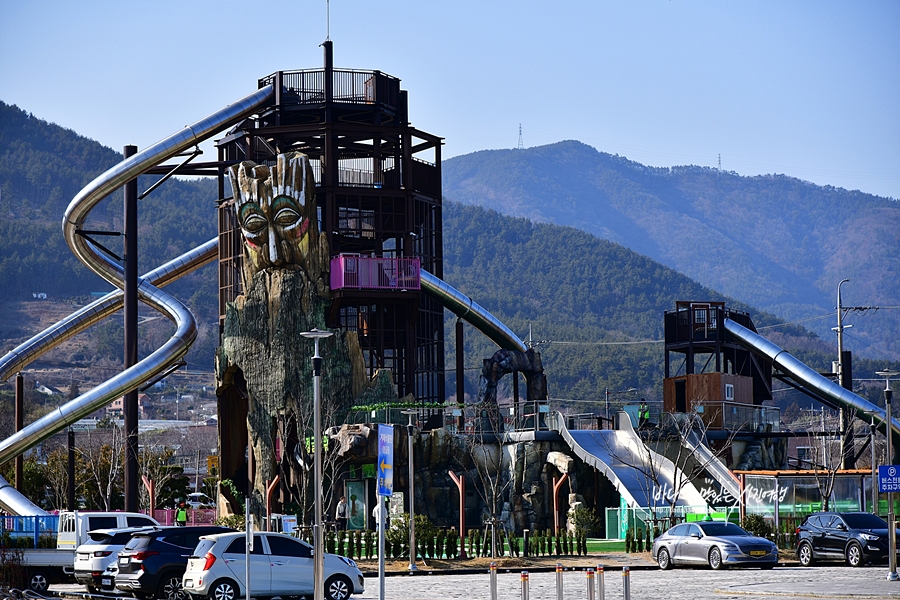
point(721, 529)
point(864, 521)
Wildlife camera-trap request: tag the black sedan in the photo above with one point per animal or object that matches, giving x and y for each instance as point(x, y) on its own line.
point(855, 537)
point(718, 544)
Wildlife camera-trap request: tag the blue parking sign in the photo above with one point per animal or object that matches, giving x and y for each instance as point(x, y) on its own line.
point(385, 466)
point(889, 478)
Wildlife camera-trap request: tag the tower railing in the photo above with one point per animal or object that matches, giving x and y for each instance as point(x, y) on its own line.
point(374, 273)
point(348, 87)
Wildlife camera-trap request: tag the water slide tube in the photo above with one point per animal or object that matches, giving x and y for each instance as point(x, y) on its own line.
point(466, 308)
point(186, 330)
point(817, 385)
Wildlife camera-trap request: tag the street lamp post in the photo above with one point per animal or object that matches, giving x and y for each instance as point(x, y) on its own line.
point(410, 430)
point(318, 546)
point(874, 468)
point(892, 526)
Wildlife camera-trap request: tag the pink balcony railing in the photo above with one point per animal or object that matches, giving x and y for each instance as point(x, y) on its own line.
point(365, 273)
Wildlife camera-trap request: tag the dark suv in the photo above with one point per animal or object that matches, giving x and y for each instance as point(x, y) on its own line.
point(854, 537)
point(152, 563)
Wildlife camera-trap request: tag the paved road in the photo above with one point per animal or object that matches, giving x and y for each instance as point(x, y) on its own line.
point(835, 582)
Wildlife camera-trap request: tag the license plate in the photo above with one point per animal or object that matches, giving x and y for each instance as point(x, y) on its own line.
point(757, 553)
point(123, 560)
point(188, 583)
point(106, 581)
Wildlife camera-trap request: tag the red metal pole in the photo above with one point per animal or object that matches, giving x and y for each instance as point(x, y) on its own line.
point(461, 484)
point(556, 486)
point(270, 490)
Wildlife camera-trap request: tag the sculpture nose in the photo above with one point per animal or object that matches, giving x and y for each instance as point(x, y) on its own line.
point(276, 255)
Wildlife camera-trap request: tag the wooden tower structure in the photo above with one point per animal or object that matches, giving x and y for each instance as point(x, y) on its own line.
point(378, 189)
point(706, 371)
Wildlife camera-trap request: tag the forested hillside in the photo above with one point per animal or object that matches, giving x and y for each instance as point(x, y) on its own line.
point(42, 167)
point(595, 306)
point(775, 242)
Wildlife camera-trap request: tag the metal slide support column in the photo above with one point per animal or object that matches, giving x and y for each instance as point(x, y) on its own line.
point(20, 423)
point(70, 471)
point(460, 376)
point(129, 404)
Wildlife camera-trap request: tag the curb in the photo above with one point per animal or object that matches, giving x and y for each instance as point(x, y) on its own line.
point(424, 571)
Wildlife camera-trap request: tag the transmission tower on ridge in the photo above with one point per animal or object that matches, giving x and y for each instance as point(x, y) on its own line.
point(521, 145)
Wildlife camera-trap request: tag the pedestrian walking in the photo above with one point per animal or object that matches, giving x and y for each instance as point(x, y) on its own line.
point(181, 515)
point(341, 513)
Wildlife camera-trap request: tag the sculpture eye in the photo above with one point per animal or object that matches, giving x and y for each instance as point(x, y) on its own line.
point(255, 223)
point(286, 217)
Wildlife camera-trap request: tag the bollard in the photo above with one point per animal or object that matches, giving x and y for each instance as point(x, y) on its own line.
point(559, 584)
point(524, 585)
point(493, 581)
point(590, 583)
point(626, 583)
point(601, 584)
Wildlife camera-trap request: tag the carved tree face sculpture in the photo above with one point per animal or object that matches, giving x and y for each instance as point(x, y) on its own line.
point(275, 209)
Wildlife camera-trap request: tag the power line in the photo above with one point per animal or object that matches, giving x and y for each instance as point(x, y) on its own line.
point(603, 343)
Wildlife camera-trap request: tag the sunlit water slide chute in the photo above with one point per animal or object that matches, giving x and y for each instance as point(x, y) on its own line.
point(810, 381)
point(185, 327)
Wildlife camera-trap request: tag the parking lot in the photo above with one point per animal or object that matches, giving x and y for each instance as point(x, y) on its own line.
point(646, 584)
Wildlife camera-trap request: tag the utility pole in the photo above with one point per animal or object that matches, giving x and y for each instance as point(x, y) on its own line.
point(845, 417)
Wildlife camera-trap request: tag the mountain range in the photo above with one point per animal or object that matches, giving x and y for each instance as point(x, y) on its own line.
point(592, 305)
point(773, 241)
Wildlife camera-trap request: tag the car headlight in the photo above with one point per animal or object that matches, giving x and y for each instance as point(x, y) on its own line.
point(349, 561)
point(731, 547)
point(869, 537)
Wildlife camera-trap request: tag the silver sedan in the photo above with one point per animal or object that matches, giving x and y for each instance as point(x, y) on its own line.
point(718, 544)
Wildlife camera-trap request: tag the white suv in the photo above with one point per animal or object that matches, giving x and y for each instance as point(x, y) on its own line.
point(93, 556)
point(279, 566)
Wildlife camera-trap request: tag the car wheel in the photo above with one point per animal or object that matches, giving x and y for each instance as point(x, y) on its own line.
point(224, 589)
point(715, 558)
point(663, 559)
point(338, 587)
point(805, 555)
point(171, 588)
point(38, 582)
point(855, 555)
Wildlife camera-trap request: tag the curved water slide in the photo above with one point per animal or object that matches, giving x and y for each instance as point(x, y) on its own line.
point(706, 458)
point(466, 308)
point(620, 454)
point(809, 380)
point(169, 353)
point(642, 477)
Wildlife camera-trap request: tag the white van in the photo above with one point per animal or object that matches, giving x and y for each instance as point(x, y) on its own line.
point(74, 526)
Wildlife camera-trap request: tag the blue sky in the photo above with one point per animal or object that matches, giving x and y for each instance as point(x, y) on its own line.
point(809, 89)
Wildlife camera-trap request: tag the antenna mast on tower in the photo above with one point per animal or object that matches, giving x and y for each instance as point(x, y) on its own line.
point(327, 20)
point(521, 146)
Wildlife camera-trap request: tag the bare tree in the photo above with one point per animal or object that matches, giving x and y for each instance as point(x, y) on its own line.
point(103, 452)
point(486, 450)
point(824, 461)
point(295, 468)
